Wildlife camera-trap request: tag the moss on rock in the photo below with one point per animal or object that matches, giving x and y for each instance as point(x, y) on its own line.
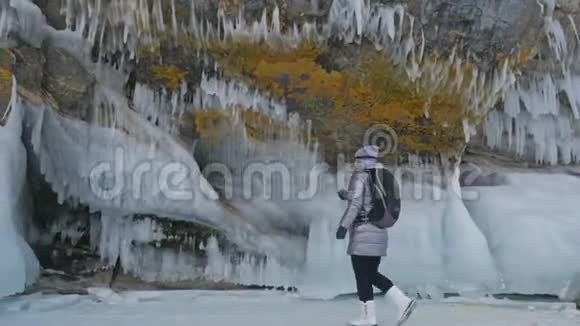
point(6, 63)
point(170, 75)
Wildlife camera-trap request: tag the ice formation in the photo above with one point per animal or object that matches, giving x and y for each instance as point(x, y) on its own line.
point(134, 242)
point(20, 266)
point(531, 225)
point(571, 291)
point(534, 124)
point(110, 164)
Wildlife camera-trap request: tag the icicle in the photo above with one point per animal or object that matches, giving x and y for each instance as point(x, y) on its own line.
point(174, 19)
point(571, 86)
point(23, 268)
point(158, 15)
point(512, 103)
point(32, 26)
point(574, 27)
point(556, 38)
point(541, 97)
point(223, 94)
point(358, 14)
point(276, 20)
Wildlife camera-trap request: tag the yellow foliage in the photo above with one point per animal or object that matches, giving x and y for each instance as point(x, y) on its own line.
point(148, 50)
point(256, 124)
point(6, 62)
point(244, 57)
point(516, 61)
point(210, 125)
point(375, 93)
point(170, 75)
point(260, 127)
point(298, 79)
point(5, 80)
point(5, 74)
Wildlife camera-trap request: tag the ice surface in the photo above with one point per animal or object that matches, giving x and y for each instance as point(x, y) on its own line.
point(245, 308)
point(19, 266)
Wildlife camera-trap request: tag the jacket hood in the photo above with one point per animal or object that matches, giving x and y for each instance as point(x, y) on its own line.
point(370, 151)
point(366, 157)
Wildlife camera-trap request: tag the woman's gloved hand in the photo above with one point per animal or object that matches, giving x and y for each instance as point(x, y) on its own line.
point(340, 233)
point(343, 195)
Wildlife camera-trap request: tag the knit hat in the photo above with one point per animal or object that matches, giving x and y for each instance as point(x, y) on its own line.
point(369, 151)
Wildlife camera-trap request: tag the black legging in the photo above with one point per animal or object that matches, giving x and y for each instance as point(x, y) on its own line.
point(366, 272)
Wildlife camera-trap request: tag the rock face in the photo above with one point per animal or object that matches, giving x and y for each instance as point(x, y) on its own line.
point(52, 10)
point(483, 34)
point(487, 30)
point(29, 72)
point(54, 75)
point(68, 82)
point(484, 27)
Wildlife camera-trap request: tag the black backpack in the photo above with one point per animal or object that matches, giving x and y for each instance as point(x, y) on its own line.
point(386, 198)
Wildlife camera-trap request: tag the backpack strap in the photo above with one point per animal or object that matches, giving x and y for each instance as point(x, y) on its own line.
point(363, 215)
point(370, 182)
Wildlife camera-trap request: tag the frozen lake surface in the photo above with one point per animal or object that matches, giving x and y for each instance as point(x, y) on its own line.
point(257, 308)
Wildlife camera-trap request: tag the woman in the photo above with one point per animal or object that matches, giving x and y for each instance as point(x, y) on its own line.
point(368, 244)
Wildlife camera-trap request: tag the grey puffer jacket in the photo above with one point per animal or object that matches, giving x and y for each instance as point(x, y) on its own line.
point(364, 239)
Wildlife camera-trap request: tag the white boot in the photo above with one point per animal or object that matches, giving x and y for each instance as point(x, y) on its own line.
point(368, 315)
point(403, 304)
